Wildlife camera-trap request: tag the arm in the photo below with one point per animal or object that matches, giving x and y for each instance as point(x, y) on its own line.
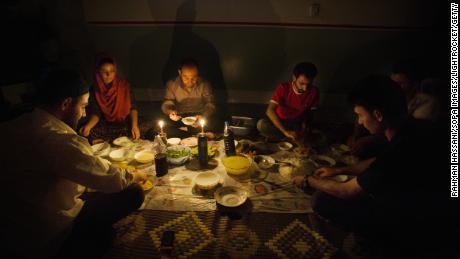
point(355, 169)
point(271, 114)
point(86, 130)
point(168, 105)
point(344, 190)
point(135, 125)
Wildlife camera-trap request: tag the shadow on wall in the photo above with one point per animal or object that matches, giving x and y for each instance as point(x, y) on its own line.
point(186, 43)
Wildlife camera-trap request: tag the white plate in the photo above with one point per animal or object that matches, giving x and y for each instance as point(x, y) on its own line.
point(207, 180)
point(173, 141)
point(189, 142)
point(189, 120)
point(144, 157)
point(118, 155)
point(264, 162)
point(122, 141)
point(230, 196)
point(101, 149)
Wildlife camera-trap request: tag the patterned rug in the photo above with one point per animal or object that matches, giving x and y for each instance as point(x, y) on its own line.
point(209, 235)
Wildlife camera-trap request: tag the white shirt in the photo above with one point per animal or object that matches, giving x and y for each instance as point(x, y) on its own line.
point(45, 167)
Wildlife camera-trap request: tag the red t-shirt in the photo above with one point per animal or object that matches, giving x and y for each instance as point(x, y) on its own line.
point(291, 105)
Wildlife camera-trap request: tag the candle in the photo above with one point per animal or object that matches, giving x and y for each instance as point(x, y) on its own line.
point(161, 126)
point(202, 125)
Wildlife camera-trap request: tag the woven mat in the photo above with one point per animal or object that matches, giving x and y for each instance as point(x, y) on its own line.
point(209, 235)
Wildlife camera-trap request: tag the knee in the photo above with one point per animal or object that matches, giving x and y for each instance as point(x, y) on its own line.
point(320, 203)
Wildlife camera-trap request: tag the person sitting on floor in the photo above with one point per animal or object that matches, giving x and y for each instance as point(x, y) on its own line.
point(188, 95)
point(47, 170)
point(289, 110)
point(113, 109)
point(396, 194)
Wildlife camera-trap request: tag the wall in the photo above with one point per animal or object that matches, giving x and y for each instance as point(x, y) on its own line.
point(244, 47)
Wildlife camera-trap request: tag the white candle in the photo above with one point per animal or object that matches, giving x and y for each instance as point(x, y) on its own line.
point(161, 126)
point(202, 125)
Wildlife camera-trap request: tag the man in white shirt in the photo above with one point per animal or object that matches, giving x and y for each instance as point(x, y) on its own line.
point(47, 168)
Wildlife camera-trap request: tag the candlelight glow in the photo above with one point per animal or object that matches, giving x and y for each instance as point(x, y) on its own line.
point(202, 125)
point(161, 123)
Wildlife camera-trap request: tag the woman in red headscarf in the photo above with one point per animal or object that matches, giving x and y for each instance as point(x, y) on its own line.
point(112, 105)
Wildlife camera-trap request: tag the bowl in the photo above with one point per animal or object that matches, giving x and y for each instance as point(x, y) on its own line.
point(284, 146)
point(286, 171)
point(189, 142)
point(144, 157)
point(264, 162)
point(242, 126)
point(173, 141)
point(177, 155)
point(230, 196)
point(237, 165)
point(189, 120)
point(101, 149)
point(207, 180)
point(118, 154)
point(321, 160)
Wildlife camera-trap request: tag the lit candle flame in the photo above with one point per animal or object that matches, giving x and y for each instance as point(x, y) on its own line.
point(161, 123)
point(202, 125)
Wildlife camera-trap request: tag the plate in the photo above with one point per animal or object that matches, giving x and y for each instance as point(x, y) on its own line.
point(230, 196)
point(340, 178)
point(122, 141)
point(101, 149)
point(147, 185)
point(189, 120)
point(173, 141)
point(207, 180)
point(189, 142)
point(144, 157)
point(119, 155)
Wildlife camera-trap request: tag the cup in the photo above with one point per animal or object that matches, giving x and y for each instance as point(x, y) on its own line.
point(161, 164)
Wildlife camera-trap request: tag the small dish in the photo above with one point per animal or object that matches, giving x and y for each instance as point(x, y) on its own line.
point(189, 120)
point(230, 196)
point(189, 142)
point(122, 141)
point(207, 180)
point(321, 161)
point(101, 149)
point(173, 141)
point(144, 157)
point(118, 155)
point(264, 162)
point(284, 146)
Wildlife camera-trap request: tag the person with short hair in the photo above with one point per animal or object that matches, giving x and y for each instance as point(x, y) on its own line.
point(113, 108)
point(188, 95)
point(47, 169)
point(289, 110)
point(395, 194)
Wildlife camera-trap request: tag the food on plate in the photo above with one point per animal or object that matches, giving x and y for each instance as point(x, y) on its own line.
point(189, 120)
point(177, 153)
point(147, 185)
point(211, 151)
point(189, 142)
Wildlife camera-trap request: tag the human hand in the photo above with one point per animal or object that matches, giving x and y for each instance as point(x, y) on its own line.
point(290, 134)
point(325, 172)
point(85, 131)
point(174, 116)
point(298, 181)
point(136, 133)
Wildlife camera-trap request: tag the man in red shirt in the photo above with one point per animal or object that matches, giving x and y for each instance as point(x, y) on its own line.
point(290, 106)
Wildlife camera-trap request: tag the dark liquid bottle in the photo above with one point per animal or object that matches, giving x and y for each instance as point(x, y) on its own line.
point(161, 164)
point(229, 141)
point(202, 149)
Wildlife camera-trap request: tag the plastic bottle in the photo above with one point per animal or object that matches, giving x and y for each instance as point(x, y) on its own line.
point(229, 141)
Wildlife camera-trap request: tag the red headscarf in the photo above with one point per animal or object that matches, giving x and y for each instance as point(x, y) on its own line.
point(114, 101)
